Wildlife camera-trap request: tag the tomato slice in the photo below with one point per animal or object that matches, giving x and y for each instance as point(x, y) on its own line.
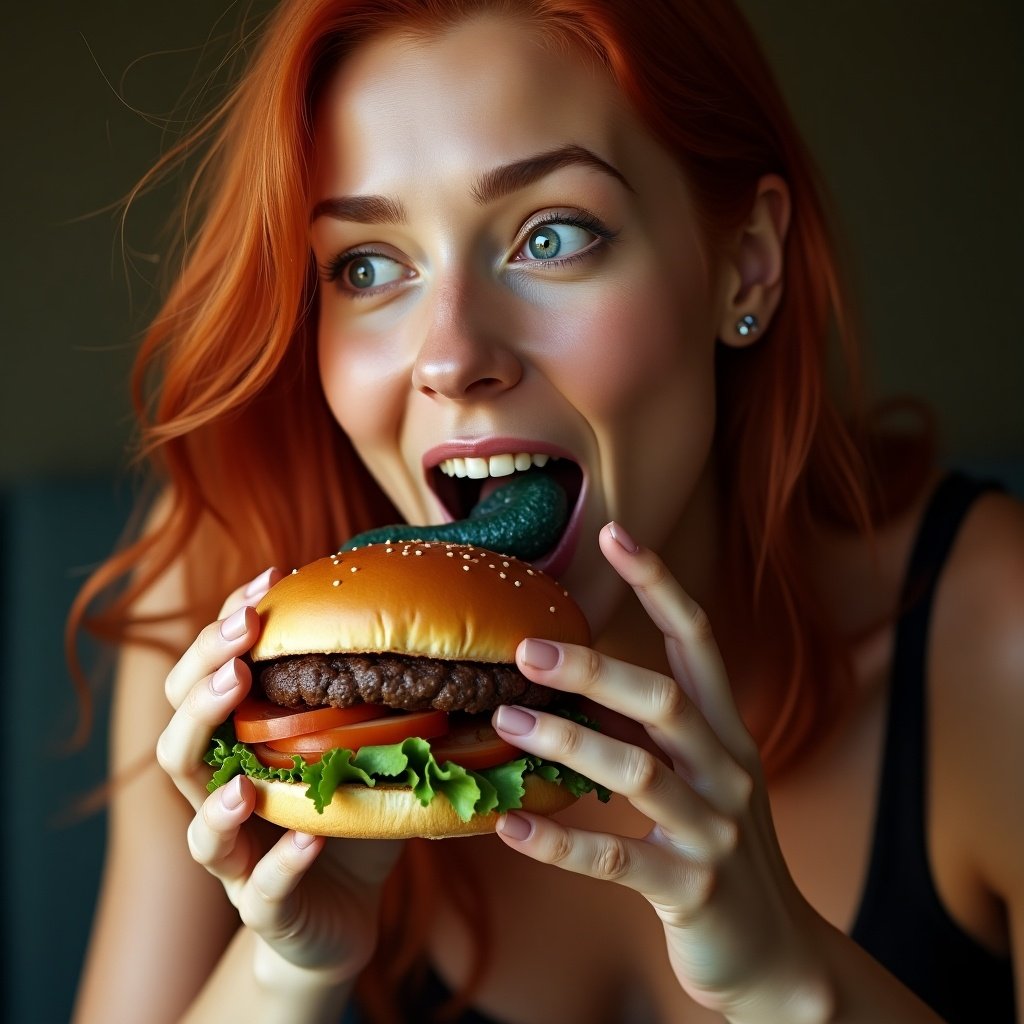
point(258, 720)
point(271, 758)
point(474, 745)
point(389, 728)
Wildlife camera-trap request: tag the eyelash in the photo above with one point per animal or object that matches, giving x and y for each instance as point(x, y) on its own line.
point(332, 269)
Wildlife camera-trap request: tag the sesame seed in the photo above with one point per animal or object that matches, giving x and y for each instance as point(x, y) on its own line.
point(389, 550)
point(466, 556)
point(465, 568)
point(503, 575)
point(336, 583)
point(450, 554)
point(552, 608)
point(355, 568)
point(530, 572)
point(518, 583)
point(417, 552)
point(505, 564)
point(295, 572)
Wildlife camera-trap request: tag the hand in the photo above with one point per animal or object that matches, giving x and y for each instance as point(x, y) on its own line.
point(311, 900)
point(741, 938)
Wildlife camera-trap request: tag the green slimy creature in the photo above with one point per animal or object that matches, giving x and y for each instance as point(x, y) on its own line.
point(524, 517)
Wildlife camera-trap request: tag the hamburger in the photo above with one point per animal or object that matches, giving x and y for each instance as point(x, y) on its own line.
point(374, 678)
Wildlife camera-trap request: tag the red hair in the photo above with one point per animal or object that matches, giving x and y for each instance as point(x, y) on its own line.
point(231, 413)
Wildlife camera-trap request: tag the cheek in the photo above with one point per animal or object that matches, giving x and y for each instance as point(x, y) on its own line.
point(361, 383)
point(635, 343)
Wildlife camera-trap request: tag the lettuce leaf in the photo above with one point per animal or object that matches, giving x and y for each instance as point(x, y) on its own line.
point(409, 763)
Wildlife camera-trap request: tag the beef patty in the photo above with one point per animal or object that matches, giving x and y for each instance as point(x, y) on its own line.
point(396, 681)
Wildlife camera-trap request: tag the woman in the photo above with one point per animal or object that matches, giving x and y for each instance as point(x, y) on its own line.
point(560, 223)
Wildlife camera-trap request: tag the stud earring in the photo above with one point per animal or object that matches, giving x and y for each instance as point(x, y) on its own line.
point(747, 325)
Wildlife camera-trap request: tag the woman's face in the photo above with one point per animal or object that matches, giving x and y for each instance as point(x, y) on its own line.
point(510, 266)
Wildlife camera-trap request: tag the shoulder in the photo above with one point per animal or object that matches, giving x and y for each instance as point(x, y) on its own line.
point(976, 677)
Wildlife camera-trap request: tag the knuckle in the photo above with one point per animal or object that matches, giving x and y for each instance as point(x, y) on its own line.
point(668, 700)
point(700, 625)
point(561, 847)
point(742, 786)
point(642, 771)
point(701, 887)
point(167, 754)
point(612, 861)
point(196, 846)
point(589, 667)
point(727, 837)
point(209, 641)
point(170, 687)
point(568, 738)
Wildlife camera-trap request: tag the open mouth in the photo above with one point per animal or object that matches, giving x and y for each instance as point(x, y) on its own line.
point(461, 483)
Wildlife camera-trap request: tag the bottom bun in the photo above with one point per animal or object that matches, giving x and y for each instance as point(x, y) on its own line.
point(390, 812)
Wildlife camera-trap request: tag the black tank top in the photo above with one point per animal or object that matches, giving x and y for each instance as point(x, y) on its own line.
point(901, 920)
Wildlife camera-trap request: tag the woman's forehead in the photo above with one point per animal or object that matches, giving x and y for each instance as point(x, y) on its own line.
point(485, 92)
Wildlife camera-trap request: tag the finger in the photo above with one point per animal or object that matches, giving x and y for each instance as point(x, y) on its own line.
point(182, 745)
point(264, 902)
point(250, 593)
point(649, 868)
point(217, 644)
point(654, 700)
point(689, 643)
point(215, 836)
point(650, 785)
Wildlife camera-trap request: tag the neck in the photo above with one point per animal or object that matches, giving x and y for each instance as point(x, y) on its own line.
point(690, 553)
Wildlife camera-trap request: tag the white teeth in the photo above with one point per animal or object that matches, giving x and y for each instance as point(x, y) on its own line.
point(495, 466)
point(501, 465)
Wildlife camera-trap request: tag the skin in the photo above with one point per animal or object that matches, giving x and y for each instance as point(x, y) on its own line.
point(734, 904)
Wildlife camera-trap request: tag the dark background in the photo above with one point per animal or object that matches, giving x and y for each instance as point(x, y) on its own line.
point(913, 108)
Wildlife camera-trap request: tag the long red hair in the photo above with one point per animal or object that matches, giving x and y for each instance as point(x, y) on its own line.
point(238, 434)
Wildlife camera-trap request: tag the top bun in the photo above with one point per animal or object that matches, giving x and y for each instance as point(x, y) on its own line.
point(427, 598)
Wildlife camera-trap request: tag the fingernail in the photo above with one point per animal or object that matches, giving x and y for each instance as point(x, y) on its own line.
point(303, 840)
point(515, 720)
point(234, 625)
point(260, 584)
point(225, 679)
point(541, 654)
point(231, 794)
point(622, 538)
point(515, 826)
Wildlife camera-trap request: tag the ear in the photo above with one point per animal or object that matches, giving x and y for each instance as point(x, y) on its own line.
point(753, 268)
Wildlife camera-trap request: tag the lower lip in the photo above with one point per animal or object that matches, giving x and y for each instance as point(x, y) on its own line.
point(557, 561)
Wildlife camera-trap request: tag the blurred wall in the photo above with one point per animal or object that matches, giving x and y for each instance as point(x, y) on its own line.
point(912, 106)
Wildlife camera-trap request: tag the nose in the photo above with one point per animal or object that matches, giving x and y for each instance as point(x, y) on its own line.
point(466, 351)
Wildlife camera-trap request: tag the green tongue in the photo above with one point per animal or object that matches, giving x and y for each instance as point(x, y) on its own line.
point(524, 518)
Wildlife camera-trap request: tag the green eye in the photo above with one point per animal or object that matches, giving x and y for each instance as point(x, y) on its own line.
point(362, 273)
point(544, 244)
point(556, 240)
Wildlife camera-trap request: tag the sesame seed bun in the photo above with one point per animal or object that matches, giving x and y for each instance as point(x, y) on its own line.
point(436, 600)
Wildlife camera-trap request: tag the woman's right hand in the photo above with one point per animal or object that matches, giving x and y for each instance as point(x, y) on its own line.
point(311, 901)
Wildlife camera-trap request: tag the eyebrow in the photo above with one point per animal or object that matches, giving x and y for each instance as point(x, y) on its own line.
point(490, 186)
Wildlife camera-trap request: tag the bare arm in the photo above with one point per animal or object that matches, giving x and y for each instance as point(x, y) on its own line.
point(157, 907)
point(187, 870)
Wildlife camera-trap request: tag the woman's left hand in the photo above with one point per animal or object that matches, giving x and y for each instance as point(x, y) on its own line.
point(741, 939)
